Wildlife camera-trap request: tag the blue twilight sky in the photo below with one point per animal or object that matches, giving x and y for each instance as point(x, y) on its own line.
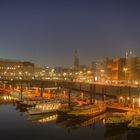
point(48, 31)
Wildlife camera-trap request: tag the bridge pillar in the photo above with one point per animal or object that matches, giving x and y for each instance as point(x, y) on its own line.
point(120, 94)
point(129, 98)
point(103, 93)
point(13, 85)
point(28, 86)
point(69, 98)
point(91, 94)
point(139, 94)
point(4, 85)
point(94, 93)
point(42, 91)
point(58, 89)
point(80, 86)
point(21, 91)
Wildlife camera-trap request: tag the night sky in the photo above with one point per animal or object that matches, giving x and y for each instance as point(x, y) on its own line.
point(48, 31)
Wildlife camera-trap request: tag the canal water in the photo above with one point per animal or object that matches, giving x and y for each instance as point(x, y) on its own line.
point(16, 124)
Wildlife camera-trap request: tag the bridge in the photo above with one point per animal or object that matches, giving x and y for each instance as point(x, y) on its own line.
point(92, 88)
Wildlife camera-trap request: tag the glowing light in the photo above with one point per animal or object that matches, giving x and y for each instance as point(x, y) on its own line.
point(89, 72)
point(96, 78)
point(64, 74)
point(136, 83)
point(102, 71)
point(125, 69)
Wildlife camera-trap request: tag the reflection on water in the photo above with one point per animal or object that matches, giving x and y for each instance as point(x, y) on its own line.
point(43, 118)
point(6, 99)
point(115, 134)
point(15, 121)
point(78, 122)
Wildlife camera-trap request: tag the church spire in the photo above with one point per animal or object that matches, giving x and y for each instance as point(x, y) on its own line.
point(76, 60)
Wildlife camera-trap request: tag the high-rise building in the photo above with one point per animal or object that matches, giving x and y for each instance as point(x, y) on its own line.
point(94, 65)
point(100, 73)
point(115, 69)
point(129, 54)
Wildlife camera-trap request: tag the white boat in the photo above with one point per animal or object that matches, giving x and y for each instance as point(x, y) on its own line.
point(17, 94)
point(30, 103)
point(43, 108)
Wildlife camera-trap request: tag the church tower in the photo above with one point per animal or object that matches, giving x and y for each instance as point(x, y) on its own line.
point(76, 60)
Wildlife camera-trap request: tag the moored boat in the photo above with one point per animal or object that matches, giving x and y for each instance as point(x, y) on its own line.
point(88, 110)
point(43, 108)
point(32, 103)
point(117, 122)
point(135, 123)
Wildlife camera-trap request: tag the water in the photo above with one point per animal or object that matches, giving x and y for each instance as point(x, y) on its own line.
point(15, 125)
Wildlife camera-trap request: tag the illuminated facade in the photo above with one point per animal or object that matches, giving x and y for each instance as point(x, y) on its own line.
point(100, 72)
point(115, 69)
point(12, 69)
point(133, 65)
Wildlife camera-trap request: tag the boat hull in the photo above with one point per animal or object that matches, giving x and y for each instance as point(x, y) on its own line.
point(116, 125)
point(40, 113)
